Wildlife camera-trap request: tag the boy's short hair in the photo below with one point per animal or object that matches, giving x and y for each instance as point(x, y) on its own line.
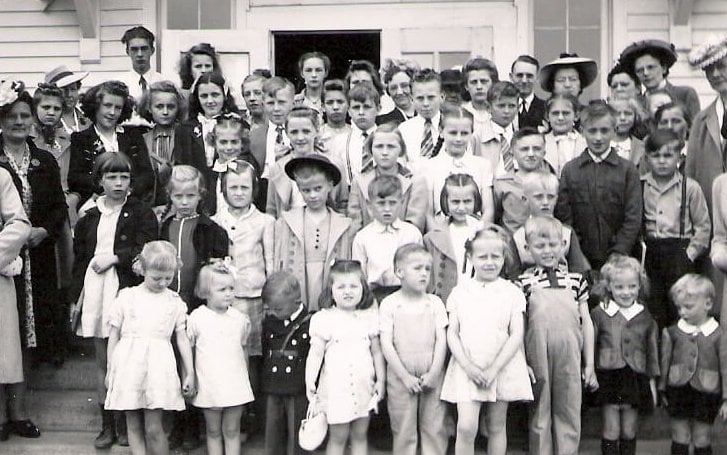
point(692, 285)
point(364, 91)
point(253, 78)
point(137, 32)
point(526, 59)
point(481, 64)
point(426, 75)
point(596, 111)
point(404, 252)
point(525, 132)
point(543, 227)
point(111, 162)
point(333, 85)
point(320, 55)
point(546, 181)
point(385, 186)
point(502, 89)
point(272, 86)
point(282, 284)
point(658, 139)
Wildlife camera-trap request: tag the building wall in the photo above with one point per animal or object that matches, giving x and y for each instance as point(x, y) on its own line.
point(34, 40)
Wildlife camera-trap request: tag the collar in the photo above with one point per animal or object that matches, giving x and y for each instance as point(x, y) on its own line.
point(359, 132)
point(294, 316)
point(455, 162)
point(272, 126)
point(105, 209)
point(623, 145)
point(400, 170)
point(110, 144)
point(206, 122)
point(661, 86)
point(228, 217)
point(499, 130)
point(382, 228)
point(435, 120)
point(676, 179)
point(610, 158)
point(560, 270)
point(163, 131)
point(706, 328)
point(572, 135)
point(612, 308)
point(529, 99)
point(146, 75)
point(224, 166)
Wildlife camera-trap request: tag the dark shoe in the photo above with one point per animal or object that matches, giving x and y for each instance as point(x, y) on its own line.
point(24, 428)
point(4, 431)
point(121, 435)
point(105, 439)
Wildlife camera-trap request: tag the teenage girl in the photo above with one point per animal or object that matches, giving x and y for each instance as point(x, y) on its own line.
point(252, 243)
point(313, 68)
point(106, 241)
point(198, 60)
point(485, 336)
point(142, 373)
point(301, 126)
point(386, 145)
point(346, 352)
point(627, 359)
point(563, 142)
point(162, 105)
point(219, 336)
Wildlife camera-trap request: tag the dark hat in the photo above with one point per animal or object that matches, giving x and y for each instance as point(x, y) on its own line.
point(660, 50)
point(586, 67)
point(317, 160)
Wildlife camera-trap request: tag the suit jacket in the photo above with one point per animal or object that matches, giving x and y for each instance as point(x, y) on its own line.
point(704, 152)
point(394, 116)
point(86, 146)
point(258, 144)
point(534, 116)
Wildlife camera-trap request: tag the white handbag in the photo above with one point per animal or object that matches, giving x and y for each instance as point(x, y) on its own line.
point(313, 428)
point(13, 269)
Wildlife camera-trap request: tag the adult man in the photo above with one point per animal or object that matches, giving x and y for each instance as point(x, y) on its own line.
point(531, 109)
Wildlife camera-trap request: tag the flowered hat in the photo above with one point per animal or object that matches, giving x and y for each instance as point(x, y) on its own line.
point(713, 50)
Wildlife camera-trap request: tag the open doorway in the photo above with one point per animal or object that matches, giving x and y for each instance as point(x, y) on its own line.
point(340, 46)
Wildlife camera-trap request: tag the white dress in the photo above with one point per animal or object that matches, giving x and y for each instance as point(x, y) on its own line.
point(143, 372)
point(220, 366)
point(347, 379)
point(483, 312)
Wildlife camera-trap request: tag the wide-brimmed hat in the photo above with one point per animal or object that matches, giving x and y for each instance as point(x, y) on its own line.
point(660, 50)
point(586, 67)
point(712, 51)
point(61, 76)
point(314, 159)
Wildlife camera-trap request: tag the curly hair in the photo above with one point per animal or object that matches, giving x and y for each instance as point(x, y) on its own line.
point(185, 62)
point(47, 91)
point(341, 267)
point(618, 264)
point(144, 107)
point(91, 101)
point(211, 78)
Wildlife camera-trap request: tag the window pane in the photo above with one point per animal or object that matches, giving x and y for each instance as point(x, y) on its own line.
point(451, 59)
point(182, 15)
point(216, 14)
point(584, 12)
point(424, 59)
point(587, 43)
point(549, 44)
point(550, 13)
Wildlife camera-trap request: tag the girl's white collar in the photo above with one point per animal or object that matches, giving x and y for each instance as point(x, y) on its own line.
point(706, 328)
point(612, 308)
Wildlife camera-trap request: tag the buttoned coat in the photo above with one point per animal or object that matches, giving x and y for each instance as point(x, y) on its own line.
point(704, 153)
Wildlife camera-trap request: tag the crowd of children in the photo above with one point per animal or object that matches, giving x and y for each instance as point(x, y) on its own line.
point(432, 263)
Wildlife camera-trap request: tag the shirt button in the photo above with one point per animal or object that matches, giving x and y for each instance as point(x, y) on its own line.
point(275, 369)
point(290, 357)
point(294, 342)
point(288, 370)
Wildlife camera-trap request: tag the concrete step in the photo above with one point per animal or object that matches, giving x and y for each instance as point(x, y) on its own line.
point(63, 410)
point(77, 373)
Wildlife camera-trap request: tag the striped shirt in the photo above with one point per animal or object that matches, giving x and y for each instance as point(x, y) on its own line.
point(538, 277)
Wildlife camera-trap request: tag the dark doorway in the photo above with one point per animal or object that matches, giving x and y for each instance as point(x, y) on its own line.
point(340, 46)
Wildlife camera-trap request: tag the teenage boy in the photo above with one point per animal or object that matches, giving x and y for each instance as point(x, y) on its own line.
point(363, 105)
point(421, 133)
point(524, 74)
point(252, 93)
point(139, 42)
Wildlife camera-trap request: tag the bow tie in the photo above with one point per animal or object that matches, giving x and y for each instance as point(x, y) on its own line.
point(224, 167)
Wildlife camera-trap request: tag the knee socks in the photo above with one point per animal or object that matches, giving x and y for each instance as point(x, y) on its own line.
point(627, 446)
point(679, 449)
point(609, 447)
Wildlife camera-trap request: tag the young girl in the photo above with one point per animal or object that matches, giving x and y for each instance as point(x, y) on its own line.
point(142, 373)
point(563, 142)
point(301, 126)
point(386, 145)
point(485, 336)
point(194, 145)
point(219, 336)
point(108, 105)
point(456, 132)
point(627, 360)
point(694, 377)
point(231, 138)
point(163, 105)
point(197, 239)
point(106, 241)
point(346, 352)
point(628, 146)
point(252, 244)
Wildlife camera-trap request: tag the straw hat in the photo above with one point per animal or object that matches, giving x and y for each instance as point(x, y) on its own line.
point(61, 76)
point(586, 67)
point(712, 51)
point(660, 50)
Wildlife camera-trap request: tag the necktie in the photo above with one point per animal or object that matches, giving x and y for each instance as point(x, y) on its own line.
point(142, 84)
point(427, 147)
point(367, 159)
point(507, 158)
point(523, 107)
point(279, 134)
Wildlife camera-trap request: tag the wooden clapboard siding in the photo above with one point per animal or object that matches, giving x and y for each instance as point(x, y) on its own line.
point(34, 40)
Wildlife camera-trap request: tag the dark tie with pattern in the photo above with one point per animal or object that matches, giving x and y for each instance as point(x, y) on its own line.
point(142, 84)
point(427, 147)
point(367, 159)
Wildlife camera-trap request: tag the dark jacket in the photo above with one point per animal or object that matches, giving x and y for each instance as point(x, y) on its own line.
point(137, 225)
point(209, 240)
point(86, 146)
point(603, 204)
point(276, 378)
point(534, 116)
point(394, 116)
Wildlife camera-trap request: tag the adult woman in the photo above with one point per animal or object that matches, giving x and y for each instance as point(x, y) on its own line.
point(568, 74)
point(13, 235)
point(624, 85)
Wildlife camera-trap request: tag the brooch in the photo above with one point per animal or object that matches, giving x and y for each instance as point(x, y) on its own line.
point(34, 162)
point(197, 132)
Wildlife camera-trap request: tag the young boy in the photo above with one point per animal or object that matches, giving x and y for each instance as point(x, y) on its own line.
point(374, 245)
point(676, 222)
point(498, 132)
point(252, 93)
point(309, 239)
point(270, 142)
point(414, 201)
point(285, 349)
point(600, 195)
point(528, 149)
point(363, 105)
point(421, 133)
point(558, 342)
point(413, 325)
point(540, 190)
point(694, 367)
